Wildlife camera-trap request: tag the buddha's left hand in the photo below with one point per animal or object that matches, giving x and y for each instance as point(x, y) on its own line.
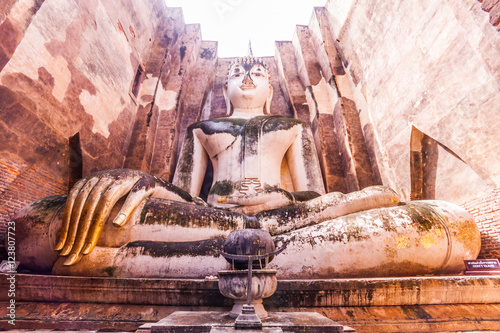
point(254, 203)
point(92, 198)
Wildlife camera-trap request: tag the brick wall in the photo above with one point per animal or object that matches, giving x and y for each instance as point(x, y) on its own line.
point(486, 212)
point(78, 83)
point(20, 185)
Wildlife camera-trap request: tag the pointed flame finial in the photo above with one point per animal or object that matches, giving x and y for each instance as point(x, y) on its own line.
point(250, 53)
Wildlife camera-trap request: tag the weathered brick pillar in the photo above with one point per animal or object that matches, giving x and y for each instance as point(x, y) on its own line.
point(316, 75)
point(423, 166)
point(359, 173)
point(195, 91)
point(156, 123)
point(356, 157)
point(169, 98)
point(330, 159)
point(290, 82)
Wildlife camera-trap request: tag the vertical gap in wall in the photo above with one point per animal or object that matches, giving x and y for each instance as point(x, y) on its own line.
point(370, 140)
point(137, 81)
point(423, 165)
point(430, 154)
point(75, 160)
point(416, 165)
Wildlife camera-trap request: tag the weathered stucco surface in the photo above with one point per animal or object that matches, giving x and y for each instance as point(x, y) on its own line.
point(431, 68)
point(432, 65)
point(68, 70)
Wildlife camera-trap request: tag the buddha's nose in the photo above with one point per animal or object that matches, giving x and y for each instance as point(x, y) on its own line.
point(247, 79)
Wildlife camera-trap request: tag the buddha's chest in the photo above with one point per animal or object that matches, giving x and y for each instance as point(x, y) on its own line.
point(260, 137)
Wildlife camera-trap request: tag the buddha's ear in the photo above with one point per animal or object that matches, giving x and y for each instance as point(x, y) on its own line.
point(228, 103)
point(267, 106)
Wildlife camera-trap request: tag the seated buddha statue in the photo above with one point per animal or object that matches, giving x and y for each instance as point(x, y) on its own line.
point(127, 223)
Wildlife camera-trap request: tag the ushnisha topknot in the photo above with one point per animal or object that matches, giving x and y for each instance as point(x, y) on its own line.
point(248, 60)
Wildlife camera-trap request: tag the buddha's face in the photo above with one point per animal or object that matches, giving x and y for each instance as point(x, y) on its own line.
point(248, 85)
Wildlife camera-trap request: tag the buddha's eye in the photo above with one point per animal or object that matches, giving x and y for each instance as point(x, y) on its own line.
point(258, 71)
point(237, 72)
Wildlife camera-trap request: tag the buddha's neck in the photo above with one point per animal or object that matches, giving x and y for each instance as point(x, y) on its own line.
point(247, 113)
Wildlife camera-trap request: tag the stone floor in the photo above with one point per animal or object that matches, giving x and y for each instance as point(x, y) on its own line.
point(414, 304)
point(84, 331)
point(220, 322)
point(111, 317)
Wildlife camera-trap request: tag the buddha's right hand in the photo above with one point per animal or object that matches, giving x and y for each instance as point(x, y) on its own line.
point(92, 198)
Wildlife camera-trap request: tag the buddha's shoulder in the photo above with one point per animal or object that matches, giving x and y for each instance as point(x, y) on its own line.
point(278, 123)
point(230, 125)
point(218, 125)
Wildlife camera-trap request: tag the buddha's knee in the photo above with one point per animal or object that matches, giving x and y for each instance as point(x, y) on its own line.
point(36, 229)
point(418, 238)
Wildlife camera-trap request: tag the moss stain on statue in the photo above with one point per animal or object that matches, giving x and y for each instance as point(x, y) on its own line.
point(109, 271)
point(174, 249)
point(278, 123)
point(185, 215)
point(424, 217)
point(41, 209)
point(223, 188)
point(232, 126)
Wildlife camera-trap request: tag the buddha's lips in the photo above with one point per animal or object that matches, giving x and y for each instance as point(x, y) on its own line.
point(247, 86)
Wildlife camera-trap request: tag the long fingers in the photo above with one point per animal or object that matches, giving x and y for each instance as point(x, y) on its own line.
point(75, 214)
point(259, 198)
point(143, 189)
point(105, 190)
point(254, 209)
point(67, 213)
point(109, 198)
point(86, 218)
point(247, 200)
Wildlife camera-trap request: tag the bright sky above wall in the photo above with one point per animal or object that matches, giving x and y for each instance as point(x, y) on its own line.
point(234, 22)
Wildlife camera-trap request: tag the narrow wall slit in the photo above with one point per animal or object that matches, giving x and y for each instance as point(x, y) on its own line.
point(136, 84)
point(423, 165)
point(75, 160)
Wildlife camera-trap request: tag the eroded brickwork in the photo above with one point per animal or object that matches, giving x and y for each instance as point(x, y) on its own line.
point(20, 185)
point(486, 212)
